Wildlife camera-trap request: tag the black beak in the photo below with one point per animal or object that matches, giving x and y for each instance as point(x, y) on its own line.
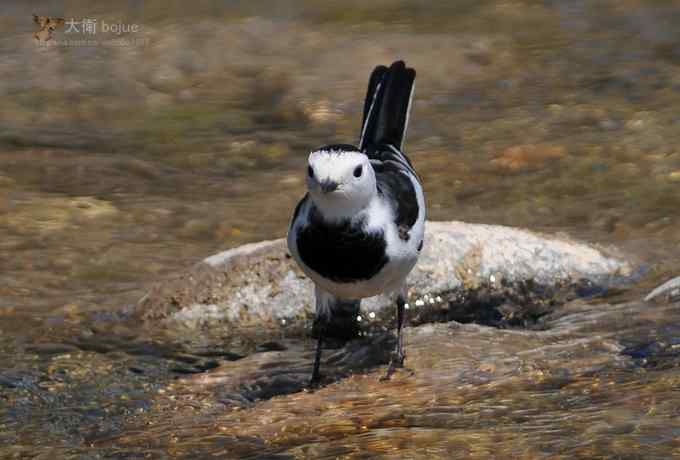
point(328, 186)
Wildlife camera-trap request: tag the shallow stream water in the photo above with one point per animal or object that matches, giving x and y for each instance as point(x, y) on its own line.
point(123, 163)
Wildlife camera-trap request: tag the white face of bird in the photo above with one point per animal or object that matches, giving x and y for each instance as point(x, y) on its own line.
point(340, 182)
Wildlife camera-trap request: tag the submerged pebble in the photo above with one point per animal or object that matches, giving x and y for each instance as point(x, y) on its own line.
point(670, 290)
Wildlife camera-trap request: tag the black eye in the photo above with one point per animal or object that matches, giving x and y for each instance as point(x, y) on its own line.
point(310, 171)
point(358, 170)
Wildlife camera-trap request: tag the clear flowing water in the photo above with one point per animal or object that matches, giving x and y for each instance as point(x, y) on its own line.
point(128, 159)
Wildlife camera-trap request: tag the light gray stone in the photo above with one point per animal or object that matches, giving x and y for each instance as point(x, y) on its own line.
point(260, 285)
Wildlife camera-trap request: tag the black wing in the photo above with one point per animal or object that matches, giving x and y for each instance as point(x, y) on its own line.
point(299, 206)
point(395, 185)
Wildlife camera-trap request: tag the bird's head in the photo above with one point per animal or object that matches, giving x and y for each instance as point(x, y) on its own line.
point(341, 180)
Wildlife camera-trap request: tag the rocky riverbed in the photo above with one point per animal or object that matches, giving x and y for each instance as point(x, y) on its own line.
point(516, 344)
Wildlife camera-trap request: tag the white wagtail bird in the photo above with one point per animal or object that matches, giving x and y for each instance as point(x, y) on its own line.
point(359, 229)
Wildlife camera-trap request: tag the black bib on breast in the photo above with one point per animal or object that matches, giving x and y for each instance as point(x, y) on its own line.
point(341, 251)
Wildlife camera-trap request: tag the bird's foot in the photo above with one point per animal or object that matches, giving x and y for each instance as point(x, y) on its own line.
point(397, 362)
point(314, 382)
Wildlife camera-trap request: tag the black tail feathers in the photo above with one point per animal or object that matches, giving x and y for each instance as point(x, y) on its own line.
point(376, 78)
point(387, 106)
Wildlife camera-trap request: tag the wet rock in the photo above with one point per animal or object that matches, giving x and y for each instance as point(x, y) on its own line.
point(668, 291)
point(258, 287)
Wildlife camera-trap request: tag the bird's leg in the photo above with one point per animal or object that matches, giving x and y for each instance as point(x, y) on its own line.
point(316, 377)
point(397, 360)
point(399, 356)
point(324, 308)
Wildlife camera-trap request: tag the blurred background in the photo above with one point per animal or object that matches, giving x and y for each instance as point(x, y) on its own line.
point(131, 157)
